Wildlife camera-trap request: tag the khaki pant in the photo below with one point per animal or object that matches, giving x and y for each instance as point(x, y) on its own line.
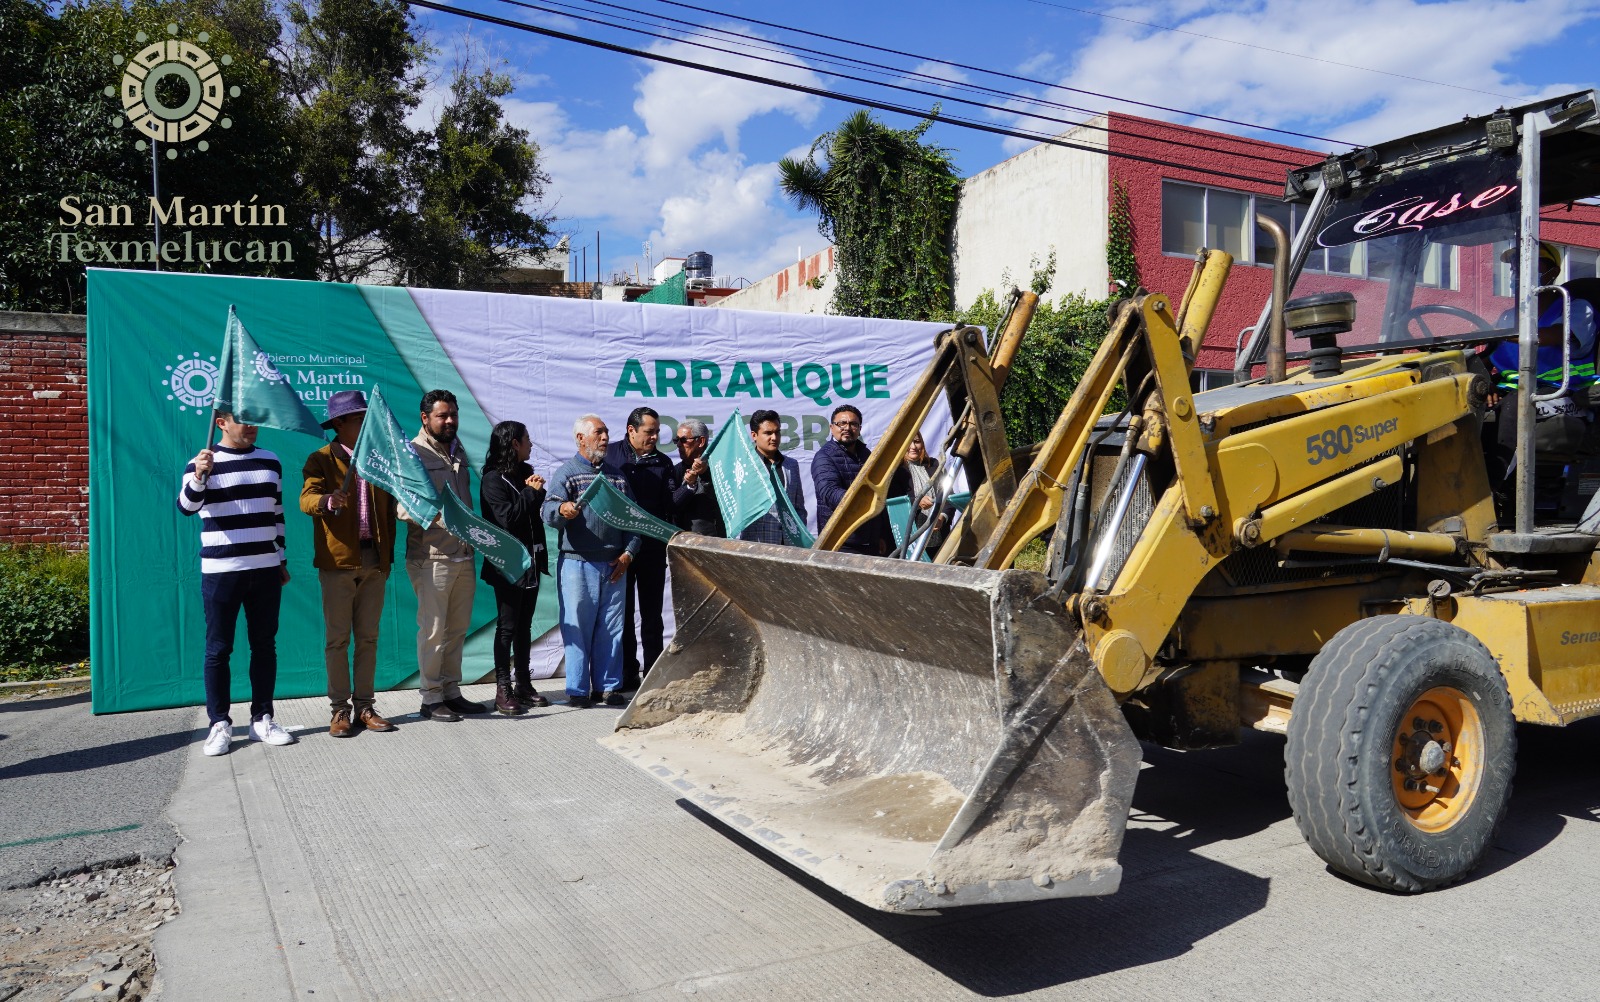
point(352, 603)
point(444, 612)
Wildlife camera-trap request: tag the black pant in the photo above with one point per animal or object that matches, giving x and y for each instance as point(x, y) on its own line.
point(513, 629)
point(647, 576)
point(258, 592)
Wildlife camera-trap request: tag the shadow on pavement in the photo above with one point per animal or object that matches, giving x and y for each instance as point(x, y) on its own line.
point(1554, 783)
point(1171, 896)
point(116, 753)
point(19, 705)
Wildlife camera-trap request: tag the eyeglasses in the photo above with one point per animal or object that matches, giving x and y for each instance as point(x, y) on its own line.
point(847, 424)
point(685, 438)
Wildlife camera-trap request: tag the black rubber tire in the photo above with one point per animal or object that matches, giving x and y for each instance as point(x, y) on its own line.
point(1338, 759)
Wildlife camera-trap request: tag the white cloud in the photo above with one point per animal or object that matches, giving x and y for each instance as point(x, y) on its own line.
point(940, 71)
point(1438, 61)
point(683, 109)
point(679, 177)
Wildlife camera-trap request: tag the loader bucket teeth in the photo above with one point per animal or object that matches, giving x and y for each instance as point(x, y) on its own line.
point(916, 736)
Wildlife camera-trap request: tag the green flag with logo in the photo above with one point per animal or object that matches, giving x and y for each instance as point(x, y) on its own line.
point(750, 493)
point(620, 512)
point(498, 546)
point(744, 491)
point(250, 387)
point(794, 528)
point(383, 456)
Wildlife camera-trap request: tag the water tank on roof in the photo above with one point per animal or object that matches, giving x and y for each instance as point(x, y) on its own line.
point(697, 265)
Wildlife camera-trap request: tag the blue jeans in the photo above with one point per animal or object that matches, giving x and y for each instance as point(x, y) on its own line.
point(258, 592)
point(591, 624)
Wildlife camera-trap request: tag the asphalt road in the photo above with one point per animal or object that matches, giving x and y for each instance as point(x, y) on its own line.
point(78, 790)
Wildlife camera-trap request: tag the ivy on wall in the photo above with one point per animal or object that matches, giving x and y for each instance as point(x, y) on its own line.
point(1121, 263)
point(888, 204)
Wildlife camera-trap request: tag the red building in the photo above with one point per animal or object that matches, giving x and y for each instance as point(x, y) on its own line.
point(1212, 197)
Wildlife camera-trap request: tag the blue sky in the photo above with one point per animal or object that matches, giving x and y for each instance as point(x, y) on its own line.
point(645, 152)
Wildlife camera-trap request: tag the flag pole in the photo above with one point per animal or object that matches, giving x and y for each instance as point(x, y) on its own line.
point(211, 440)
point(211, 435)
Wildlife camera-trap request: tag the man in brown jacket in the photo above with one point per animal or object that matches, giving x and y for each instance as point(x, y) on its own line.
point(441, 567)
point(353, 534)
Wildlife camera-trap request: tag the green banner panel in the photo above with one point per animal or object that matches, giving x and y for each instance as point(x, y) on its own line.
point(153, 342)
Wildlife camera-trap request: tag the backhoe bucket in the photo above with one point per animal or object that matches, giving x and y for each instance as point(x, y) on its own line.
point(917, 736)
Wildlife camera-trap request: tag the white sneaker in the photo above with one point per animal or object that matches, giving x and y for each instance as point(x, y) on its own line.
point(220, 738)
point(266, 729)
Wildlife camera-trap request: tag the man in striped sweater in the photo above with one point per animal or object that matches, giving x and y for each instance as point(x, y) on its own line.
point(237, 490)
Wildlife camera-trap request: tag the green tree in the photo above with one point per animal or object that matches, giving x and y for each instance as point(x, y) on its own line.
point(1056, 352)
point(390, 202)
point(352, 75)
point(469, 222)
point(60, 139)
point(888, 204)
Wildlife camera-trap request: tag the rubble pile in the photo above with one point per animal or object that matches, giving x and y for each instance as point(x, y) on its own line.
point(85, 936)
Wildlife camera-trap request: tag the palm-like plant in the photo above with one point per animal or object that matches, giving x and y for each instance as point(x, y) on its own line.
point(887, 202)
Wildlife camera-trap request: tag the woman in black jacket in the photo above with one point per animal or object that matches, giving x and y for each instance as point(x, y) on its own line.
point(510, 496)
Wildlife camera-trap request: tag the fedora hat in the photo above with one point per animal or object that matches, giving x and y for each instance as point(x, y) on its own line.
point(342, 403)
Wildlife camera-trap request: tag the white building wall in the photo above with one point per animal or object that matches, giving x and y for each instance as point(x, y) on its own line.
point(1044, 198)
point(803, 287)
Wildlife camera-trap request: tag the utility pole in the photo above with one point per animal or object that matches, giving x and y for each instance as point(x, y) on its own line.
point(155, 192)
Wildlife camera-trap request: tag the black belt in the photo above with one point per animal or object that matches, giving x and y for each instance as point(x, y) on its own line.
point(369, 544)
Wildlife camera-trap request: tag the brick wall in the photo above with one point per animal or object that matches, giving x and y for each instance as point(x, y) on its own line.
point(44, 463)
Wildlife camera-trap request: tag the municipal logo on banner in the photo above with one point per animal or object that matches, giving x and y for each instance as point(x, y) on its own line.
point(266, 370)
point(193, 382)
point(156, 106)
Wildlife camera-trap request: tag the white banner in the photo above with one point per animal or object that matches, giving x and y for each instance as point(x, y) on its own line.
point(546, 362)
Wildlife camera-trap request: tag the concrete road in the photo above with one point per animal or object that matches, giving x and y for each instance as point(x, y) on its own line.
point(77, 790)
point(513, 858)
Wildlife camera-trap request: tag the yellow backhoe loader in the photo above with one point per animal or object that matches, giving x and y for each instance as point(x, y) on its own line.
point(1315, 552)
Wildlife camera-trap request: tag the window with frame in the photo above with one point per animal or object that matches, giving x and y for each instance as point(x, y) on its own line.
point(1576, 262)
point(1194, 215)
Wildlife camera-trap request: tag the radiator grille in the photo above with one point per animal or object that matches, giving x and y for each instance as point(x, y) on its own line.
point(1134, 523)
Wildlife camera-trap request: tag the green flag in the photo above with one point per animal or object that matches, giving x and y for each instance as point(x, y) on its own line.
point(794, 528)
point(383, 456)
point(620, 512)
point(744, 491)
point(252, 389)
point(498, 546)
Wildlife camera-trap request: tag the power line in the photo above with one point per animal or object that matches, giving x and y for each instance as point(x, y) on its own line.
point(825, 93)
point(568, 9)
point(1012, 76)
point(1267, 48)
point(830, 58)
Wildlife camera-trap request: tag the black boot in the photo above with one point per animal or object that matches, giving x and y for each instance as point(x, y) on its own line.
point(504, 701)
point(524, 691)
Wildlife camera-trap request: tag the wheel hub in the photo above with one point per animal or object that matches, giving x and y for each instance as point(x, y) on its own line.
point(1436, 769)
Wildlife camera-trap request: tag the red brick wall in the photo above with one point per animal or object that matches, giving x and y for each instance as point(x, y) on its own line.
point(1205, 152)
point(44, 467)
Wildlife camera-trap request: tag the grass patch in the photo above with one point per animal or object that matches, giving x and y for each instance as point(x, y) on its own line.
point(1032, 556)
point(43, 673)
point(44, 611)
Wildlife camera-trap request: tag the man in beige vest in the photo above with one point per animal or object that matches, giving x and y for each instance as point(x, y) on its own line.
point(353, 536)
point(441, 567)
